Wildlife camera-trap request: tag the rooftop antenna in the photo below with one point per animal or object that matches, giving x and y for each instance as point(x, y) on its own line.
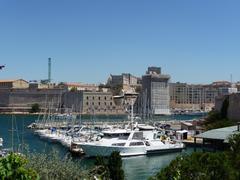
point(49, 70)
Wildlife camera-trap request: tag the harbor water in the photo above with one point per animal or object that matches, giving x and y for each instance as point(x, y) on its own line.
point(14, 131)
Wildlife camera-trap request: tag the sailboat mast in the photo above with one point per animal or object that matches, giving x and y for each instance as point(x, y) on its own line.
point(132, 115)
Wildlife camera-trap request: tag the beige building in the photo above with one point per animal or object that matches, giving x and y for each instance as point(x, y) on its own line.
point(197, 96)
point(100, 103)
point(127, 82)
point(14, 84)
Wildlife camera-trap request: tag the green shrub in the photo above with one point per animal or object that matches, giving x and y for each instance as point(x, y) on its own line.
point(35, 108)
point(109, 168)
point(13, 167)
point(205, 166)
point(215, 120)
point(52, 167)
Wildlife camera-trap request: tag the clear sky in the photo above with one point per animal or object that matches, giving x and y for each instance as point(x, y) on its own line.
point(195, 41)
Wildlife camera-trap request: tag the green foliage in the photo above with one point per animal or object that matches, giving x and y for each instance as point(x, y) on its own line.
point(215, 120)
point(234, 151)
point(115, 166)
point(35, 108)
point(101, 168)
point(110, 168)
point(51, 166)
point(202, 166)
point(12, 167)
point(205, 166)
point(73, 89)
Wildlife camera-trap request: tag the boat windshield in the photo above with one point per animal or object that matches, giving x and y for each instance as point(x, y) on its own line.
point(136, 144)
point(138, 135)
point(117, 135)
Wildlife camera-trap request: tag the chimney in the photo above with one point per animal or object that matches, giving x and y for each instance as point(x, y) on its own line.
point(238, 126)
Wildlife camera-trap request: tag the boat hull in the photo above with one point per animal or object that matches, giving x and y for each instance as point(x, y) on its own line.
point(97, 150)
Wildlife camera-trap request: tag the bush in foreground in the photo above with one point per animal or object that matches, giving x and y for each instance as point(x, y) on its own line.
point(205, 166)
point(13, 167)
point(51, 166)
point(109, 168)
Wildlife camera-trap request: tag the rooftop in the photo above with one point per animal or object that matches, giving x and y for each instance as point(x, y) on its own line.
point(11, 80)
point(219, 134)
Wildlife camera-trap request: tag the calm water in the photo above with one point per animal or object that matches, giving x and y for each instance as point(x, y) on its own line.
point(135, 167)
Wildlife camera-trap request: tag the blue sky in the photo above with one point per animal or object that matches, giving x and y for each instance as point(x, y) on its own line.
point(195, 41)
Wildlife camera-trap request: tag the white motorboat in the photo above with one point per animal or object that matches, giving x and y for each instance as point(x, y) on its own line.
point(130, 143)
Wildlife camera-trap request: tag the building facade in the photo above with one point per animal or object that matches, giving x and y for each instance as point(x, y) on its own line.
point(13, 84)
point(79, 86)
point(99, 103)
point(92, 103)
point(126, 81)
point(155, 92)
point(233, 112)
point(197, 96)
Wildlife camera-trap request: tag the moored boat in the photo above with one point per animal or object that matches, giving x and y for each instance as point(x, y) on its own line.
point(130, 143)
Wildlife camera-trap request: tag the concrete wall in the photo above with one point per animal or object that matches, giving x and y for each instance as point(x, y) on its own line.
point(26, 97)
point(4, 97)
point(234, 106)
point(73, 100)
point(79, 101)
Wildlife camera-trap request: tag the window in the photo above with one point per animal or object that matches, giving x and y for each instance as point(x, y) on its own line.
point(105, 98)
point(87, 103)
point(118, 144)
point(124, 136)
point(99, 103)
point(99, 98)
point(136, 144)
point(87, 97)
point(138, 135)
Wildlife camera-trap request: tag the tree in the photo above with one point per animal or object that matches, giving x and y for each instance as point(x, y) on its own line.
point(51, 166)
point(101, 168)
point(234, 153)
point(209, 166)
point(109, 168)
point(73, 89)
point(215, 120)
point(35, 108)
point(202, 166)
point(13, 166)
point(115, 166)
